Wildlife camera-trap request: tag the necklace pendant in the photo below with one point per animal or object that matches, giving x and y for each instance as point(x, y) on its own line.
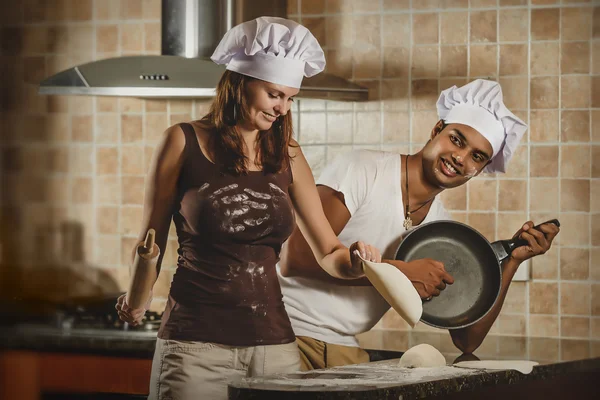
point(407, 222)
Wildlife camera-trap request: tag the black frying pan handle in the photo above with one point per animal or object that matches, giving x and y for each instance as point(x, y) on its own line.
point(514, 243)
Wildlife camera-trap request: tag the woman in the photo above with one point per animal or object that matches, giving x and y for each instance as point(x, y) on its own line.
point(231, 182)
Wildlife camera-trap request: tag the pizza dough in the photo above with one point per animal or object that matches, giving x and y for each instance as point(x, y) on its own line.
point(524, 367)
point(396, 289)
point(422, 356)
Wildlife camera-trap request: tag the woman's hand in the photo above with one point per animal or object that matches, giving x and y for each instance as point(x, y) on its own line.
point(133, 316)
point(367, 252)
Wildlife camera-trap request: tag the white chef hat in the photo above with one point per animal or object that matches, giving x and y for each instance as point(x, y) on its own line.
point(275, 50)
point(479, 105)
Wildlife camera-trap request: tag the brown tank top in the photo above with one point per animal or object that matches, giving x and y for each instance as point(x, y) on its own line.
point(230, 231)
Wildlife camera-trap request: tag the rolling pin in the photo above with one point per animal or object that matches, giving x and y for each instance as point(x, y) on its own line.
point(144, 272)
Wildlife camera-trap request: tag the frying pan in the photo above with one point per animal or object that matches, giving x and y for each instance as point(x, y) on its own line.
point(473, 262)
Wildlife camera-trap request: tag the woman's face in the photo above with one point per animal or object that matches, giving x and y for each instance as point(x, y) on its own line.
point(266, 102)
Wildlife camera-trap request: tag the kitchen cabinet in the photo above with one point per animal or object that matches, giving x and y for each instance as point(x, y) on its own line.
point(26, 375)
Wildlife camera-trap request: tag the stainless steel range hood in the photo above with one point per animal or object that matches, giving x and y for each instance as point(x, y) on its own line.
point(191, 29)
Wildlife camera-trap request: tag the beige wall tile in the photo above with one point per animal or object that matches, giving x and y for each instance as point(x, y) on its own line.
point(595, 125)
point(455, 198)
point(132, 37)
point(366, 63)
point(131, 9)
point(482, 3)
point(575, 195)
point(482, 194)
point(545, 24)
point(575, 91)
point(543, 194)
point(107, 189)
point(425, 28)
point(574, 230)
point(544, 349)
point(427, 4)
point(595, 91)
point(152, 9)
point(425, 62)
point(575, 58)
point(544, 161)
point(82, 128)
point(81, 190)
point(544, 58)
point(543, 298)
point(154, 127)
point(131, 219)
point(513, 59)
point(368, 127)
point(424, 94)
point(484, 223)
point(483, 60)
point(396, 4)
point(311, 7)
point(516, 297)
point(107, 104)
point(339, 127)
point(573, 349)
point(152, 38)
point(512, 324)
point(454, 27)
point(513, 195)
point(107, 160)
point(575, 327)
point(317, 27)
point(132, 159)
point(515, 92)
point(396, 30)
point(575, 298)
point(544, 92)
point(595, 292)
point(132, 189)
point(313, 126)
point(339, 31)
point(453, 61)
point(395, 62)
point(483, 26)
point(595, 328)
point(574, 264)
point(595, 264)
point(81, 41)
point(575, 23)
point(575, 161)
point(595, 161)
point(108, 219)
point(394, 94)
point(595, 57)
point(107, 38)
point(513, 25)
point(542, 325)
point(575, 126)
point(81, 10)
point(422, 124)
point(513, 346)
point(107, 128)
point(108, 9)
point(367, 31)
point(130, 105)
point(595, 196)
point(543, 126)
point(396, 127)
point(34, 39)
point(596, 230)
point(81, 159)
point(131, 128)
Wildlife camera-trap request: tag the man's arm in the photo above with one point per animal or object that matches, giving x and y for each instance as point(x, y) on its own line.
point(470, 338)
point(297, 259)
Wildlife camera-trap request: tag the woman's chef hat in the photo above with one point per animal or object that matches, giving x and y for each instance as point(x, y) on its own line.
point(275, 50)
point(479, 105)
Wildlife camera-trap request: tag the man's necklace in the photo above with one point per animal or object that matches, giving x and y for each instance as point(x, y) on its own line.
point(408, 223)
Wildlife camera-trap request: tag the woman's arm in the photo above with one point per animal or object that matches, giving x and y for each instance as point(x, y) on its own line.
point(159, 196)
point(329, 252)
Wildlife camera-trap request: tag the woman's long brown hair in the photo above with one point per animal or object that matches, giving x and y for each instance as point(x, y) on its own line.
point(227, 143)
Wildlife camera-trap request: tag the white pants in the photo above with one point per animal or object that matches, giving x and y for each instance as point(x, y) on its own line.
point(183, 370)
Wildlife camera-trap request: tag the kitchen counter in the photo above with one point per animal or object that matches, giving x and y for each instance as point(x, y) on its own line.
point(132, 343)
point(385, 380)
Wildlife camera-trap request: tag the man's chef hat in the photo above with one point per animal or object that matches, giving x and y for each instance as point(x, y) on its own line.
point(275, 50)
point(479, 105)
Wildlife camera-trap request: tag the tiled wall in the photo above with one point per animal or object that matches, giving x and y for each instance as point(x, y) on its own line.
point(79, 163)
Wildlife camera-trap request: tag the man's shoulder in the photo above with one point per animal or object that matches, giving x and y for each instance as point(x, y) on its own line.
point(366, 159)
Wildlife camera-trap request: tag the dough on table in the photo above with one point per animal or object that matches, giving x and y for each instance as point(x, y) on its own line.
point(396, 289)
point(522, 366)
point(422, 356)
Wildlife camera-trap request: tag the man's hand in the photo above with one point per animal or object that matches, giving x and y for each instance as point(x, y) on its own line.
point(428, 276)
point(539, 241)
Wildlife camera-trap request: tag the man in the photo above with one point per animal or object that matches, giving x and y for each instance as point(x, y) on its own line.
point(378, 196)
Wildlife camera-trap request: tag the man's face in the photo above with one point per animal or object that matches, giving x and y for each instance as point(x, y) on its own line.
point(454, 155)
